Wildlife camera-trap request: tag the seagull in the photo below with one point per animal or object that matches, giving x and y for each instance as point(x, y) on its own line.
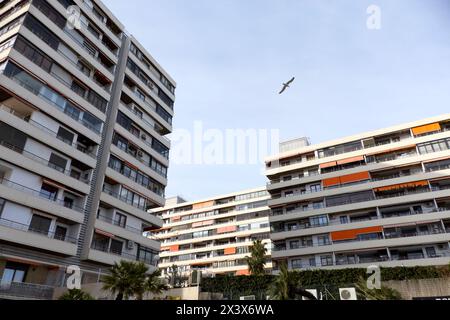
point(286, 85)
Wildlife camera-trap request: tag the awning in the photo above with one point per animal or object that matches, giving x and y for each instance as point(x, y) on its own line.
point(201, 205)
point(230, 251)
point(355, 177)
point(328, 165)
point(353, 234)
point(351, 160)
point(403, 186)
point(426, 128)
point(244, 272)
point(227, 229)
point(60, 186)
point(174, 248)
point(104, 233)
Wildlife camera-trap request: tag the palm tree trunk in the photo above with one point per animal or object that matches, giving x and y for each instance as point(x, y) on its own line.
point(119, 296)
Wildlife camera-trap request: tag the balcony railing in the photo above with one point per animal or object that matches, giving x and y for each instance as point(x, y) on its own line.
point(47, 130)
point(49, 234)
point(117, 223)
point(125, 200)
point(103, 247)
point(40, 194)
point(40, 160)
point(26, 291)
point(53, 103)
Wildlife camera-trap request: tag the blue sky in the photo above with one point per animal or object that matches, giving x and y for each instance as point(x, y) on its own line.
point(229, 58)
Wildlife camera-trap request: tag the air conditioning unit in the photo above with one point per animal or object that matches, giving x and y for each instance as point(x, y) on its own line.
point(140, 154)
point(347, 294)
point(144, 137)
point(313, 292)
point(130, 245)
point(247, 298)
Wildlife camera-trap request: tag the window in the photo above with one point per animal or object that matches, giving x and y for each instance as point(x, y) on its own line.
point(326, 261)
point(344, 220)
point(164, 97)
point(115, 163)
point(40, 224)
point(121, 220)
point(146, 255)
point(323, 240)
point(315, 188)
point(296, 264)
point(33, 54)
point(97, 101)
point(60, 233)
point(65, 135)
point(78, 88)
point(12, 136)
point(14, 273)
point(57, 162)
point(434, 146)
point(48, 192)
point(116, 247)
point(319, 221)
point(41, 31)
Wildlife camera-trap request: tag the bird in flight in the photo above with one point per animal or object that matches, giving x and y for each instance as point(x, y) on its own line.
point(286, 85)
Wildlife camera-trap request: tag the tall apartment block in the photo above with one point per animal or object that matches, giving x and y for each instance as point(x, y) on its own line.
point(84, 110)
point(212, 235)
point(380, 197)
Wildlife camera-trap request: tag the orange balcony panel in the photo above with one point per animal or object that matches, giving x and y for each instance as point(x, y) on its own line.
point(433, 127)
point(227, 229)
point(331, 182)
point(174, 248)
point(360, 176)
point(403, 186)
point(230, 251)
point(353, 234)
point(244, 272)
point(351, 160)
point(201, 205)
point(328, 165)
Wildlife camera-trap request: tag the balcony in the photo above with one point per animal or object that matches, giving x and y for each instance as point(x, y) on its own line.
point(42, 161)
point(52, 133)
point(26, 228)
point(40, 194)
point(51, 97)
point(26, 291)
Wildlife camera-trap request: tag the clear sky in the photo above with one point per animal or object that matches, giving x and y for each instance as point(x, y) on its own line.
point(229, 58)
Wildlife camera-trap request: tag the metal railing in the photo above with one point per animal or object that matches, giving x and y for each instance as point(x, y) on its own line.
point(40, 160)
point(117, 223)
point(74, 116)
point(39, 194)
point(47, 130)
point(48, 234)
point(26, 290)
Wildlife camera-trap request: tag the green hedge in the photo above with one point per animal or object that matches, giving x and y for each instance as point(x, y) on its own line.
point(235, 286)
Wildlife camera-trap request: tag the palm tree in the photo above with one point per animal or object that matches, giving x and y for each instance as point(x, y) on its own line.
point(287, 286)
point(257, 259)
point(76, 294)
point(126, 279)
point(152, 284)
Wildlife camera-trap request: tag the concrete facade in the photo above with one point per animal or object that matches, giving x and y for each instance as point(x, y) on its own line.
point(84, 114)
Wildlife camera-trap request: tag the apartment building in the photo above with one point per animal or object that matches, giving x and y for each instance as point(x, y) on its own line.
point(380, 197)
point(212, 235)
point(84, 110)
